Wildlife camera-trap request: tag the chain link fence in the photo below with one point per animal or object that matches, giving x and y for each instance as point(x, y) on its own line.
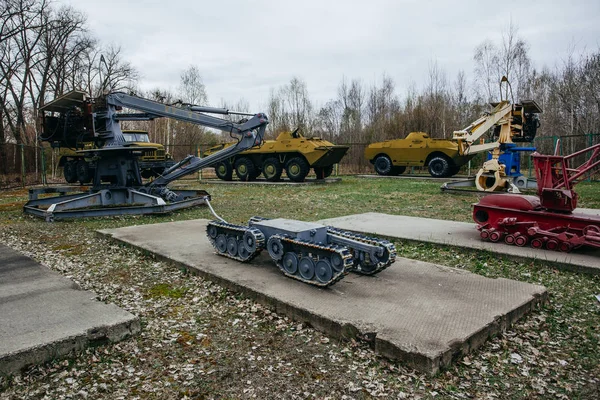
point(22, 165)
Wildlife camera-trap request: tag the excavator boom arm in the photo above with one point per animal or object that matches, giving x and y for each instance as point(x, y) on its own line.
point(250, 132)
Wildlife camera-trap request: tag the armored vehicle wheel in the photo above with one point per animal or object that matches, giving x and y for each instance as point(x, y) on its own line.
point(272, 169)
point(70, 171)
point(323, 172)
point(383, 165)
point(296, 169)
point(439, 167)
point(224, 170)
point(83, 172)
point(398, 170)
point(245, 169)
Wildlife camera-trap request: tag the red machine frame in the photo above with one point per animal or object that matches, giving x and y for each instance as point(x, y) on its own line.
point(546, 220)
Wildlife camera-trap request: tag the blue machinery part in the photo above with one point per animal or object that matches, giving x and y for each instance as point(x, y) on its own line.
point(510, 158)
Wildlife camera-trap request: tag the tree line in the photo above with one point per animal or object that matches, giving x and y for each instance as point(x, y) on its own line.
point(568, 94)
point(47, 50)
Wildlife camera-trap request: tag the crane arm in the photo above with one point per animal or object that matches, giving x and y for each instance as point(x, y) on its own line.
point(472, 133)
point(192, 164)
point(249, 133)
point(156, 109)
point(512, 123)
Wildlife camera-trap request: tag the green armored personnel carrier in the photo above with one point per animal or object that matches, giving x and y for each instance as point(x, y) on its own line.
point(291, 151)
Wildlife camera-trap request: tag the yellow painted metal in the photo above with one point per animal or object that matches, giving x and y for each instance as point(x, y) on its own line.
point(491, 177)
point(414, 150)
point(317, 152)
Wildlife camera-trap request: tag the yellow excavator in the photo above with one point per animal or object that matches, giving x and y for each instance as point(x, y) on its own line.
point(511, 123)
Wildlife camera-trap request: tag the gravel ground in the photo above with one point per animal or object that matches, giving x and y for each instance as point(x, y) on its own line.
point(200, 341)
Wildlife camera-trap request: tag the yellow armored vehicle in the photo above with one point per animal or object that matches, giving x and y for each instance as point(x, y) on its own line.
point(152, 162)
point(416, 150)
point(291, 151)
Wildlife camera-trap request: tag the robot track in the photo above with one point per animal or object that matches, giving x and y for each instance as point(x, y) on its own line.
point(312, 263)
point(237, 242)
point(363, 264)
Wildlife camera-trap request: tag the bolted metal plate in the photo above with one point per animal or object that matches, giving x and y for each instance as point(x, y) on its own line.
point(298, 229)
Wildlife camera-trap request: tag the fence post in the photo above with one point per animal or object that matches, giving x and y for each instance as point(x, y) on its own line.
point(22, 165)
point(529, 160)
point(43, 158)
point(590, 144)
point(554, 149)
point(199, 154)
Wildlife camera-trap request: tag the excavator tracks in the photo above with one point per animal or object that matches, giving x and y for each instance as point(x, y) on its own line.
point(309, 262)
point(362, 264)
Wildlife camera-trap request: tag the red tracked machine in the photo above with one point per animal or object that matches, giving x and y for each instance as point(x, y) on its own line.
point(546, 220)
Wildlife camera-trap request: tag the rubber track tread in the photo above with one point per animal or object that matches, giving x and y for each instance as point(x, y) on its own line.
point(369, 240)
point(340, 250)
point(224, 227)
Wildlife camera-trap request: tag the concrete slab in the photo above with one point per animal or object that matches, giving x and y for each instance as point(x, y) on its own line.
point(307, 181)
point(414, 176)
point(44, 316)
point(462, 234)
point(422, 314)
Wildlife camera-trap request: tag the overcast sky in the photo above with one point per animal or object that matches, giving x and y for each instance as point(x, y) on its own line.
point(245, 48)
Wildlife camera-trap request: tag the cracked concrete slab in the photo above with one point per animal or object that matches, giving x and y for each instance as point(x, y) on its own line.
point(421, 314)
point(44, 316)
point(465, 235)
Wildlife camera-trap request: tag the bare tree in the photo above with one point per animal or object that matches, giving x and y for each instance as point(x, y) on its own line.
point(329, 119)
point(191, 87)
point(298, 105)
point(351, 97)
point(486, 69)
point(19, 53)
point(276, 112)
point(436, 101)
point(290, 107)
point(514, 61)
point(510, 59)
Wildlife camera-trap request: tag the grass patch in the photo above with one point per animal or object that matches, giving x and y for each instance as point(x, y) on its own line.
point(165, 290)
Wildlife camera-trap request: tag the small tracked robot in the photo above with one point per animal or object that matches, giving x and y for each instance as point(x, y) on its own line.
point(312, 253)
